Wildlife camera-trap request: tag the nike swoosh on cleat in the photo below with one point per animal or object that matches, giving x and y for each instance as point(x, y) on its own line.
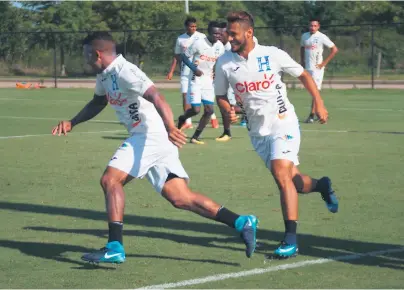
point(106, 256)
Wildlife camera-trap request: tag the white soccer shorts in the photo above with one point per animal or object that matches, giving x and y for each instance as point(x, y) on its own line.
point(198, 94)
point(153, 156)
point(284, 143)
point(184, 81)
point(317, 75)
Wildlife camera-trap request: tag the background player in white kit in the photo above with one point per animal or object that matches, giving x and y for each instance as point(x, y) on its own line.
point(183, 42)
point(253, 72)
point(203, 53)
point(150, 150)
point(311, 56)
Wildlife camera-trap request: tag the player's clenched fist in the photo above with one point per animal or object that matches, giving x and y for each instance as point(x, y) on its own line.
point(177, 137)
point(62, 128)
point(232, 115)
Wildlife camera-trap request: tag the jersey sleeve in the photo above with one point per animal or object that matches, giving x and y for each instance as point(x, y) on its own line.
point(192, 49)
point(288, 64)
point(134, 80)
point(177, 49)
point(221, 82)
point(327, 41)
point(99, 88)
point(302, 41)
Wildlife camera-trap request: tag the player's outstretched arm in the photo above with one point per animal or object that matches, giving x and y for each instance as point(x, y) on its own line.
point(176, 136)
point(311, 87)
point(191, 65)
point(172, 67)
point(92, 109)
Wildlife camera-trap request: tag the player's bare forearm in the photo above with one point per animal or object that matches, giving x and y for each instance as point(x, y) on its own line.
point(223, 103)
point(173, 65)
point(92, 109)
point(161, 105)
point(334, 51)
point(308, 82)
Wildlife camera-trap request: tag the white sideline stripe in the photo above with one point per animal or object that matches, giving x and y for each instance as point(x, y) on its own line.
point(43, 118)
point(259, 271)
point(85, 101)
point(43, 100)
point(76, 133)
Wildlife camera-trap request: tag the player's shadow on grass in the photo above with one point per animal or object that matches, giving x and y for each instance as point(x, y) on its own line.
point(52, 251)
point(310, 245)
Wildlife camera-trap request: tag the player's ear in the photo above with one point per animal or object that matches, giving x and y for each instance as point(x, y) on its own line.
point(98, 53)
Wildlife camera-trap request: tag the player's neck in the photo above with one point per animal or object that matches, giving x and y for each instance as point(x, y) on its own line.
point(108, 60)
point(190, 33)
point(250, 45)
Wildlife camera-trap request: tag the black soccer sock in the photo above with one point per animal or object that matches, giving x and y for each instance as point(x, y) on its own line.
point(226, 216)
point(299, 184)
point(115, 232)
point(227, 132)
point(290, 232)
point(197, 134)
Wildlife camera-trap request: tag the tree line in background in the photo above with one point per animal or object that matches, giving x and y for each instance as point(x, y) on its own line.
point(152, 44)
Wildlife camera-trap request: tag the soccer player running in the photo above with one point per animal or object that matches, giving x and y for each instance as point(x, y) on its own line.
point(183, 42)
point(311, 56)
point(238, 108)
point(203, 54)
point(150, 151)
point(253, 72)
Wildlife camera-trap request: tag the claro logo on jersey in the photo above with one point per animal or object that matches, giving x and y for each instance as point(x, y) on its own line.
point(253, 86)
point(134, 114)
point(115, 99)
point(207, 58)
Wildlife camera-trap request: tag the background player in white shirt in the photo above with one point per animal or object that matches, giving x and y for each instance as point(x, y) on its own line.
point(151, 150)
point(203, 53)
point(181, 45)
point(311, 56)
point(254, 73)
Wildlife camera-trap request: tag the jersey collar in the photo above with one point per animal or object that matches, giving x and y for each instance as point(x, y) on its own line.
point(118, 62)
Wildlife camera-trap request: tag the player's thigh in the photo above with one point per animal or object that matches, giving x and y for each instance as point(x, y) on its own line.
point(184, 81)
point(170, 165)
point(283, 144)
point(194, 95)
point(208, 96)
point(139, 153)
point(317, 75)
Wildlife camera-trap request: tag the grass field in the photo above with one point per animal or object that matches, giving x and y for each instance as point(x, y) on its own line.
point(52, 208)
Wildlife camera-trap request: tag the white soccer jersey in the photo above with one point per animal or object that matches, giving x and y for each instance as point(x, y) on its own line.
point(183, 42)
point(124, 84)
point(257, 81)
point(204, 54)
point(313, 45)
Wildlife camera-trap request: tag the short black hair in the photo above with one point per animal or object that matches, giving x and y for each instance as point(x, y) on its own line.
point(98, 36)
point(314, 19)
point(189, 20)
point(223, 24)
point(241, 17)
point(213, 24)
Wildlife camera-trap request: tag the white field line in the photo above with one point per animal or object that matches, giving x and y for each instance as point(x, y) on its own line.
point(41, 135)
point(258, 271)
point(85, 101)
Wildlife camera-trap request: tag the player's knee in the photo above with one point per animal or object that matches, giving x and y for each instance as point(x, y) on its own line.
point(180, 202)
point(282, 176)
point(108, 181)
point(196, 109)
point(208, 111)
